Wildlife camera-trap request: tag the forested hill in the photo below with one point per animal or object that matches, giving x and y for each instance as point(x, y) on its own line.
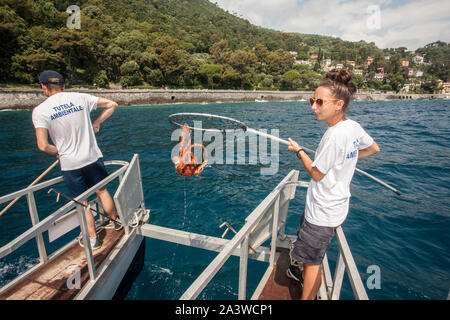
point(154, 43)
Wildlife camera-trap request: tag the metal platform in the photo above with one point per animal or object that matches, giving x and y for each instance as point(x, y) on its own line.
point(50, 281)
point(99, 272)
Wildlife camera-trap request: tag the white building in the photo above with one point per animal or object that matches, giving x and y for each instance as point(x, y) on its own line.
point(378, 76)
point(418, 59)
point(419, 73)
point(304, 62)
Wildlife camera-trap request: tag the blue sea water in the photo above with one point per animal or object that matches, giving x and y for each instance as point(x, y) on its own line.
point(406, 236)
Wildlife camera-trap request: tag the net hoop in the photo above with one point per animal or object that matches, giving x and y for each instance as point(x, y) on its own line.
point(237, 123)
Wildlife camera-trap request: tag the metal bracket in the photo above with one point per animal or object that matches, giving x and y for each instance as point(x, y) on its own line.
point(229, 227)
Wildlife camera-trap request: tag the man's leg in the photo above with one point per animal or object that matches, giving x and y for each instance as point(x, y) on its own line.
point(90, 221)
point(311, 281)
point(107, 202)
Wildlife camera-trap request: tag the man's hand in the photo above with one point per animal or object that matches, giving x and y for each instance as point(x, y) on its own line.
point(96, 127)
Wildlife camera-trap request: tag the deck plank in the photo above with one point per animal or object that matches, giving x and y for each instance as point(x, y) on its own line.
point(279, 286)
point(50, 281)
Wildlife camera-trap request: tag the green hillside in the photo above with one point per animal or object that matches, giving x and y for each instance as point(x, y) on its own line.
point(180, 44)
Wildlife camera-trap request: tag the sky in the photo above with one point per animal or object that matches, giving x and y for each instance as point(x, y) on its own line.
point(388, 23)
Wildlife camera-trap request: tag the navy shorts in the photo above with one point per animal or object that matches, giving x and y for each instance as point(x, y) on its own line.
point(80, 180)
point(312, 242)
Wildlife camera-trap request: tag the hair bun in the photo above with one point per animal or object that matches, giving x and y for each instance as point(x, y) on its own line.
point(342, 76)
point(339, 75)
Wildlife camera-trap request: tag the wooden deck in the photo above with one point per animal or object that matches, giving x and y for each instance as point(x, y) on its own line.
point(50, 281)
point(278, 285)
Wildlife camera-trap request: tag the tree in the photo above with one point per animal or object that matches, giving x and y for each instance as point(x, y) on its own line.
point(130, 74)
point(101, 80)
point(291, 79)
point(243, 61)
point(212, 73)
point(220, 52)
point(279, 62)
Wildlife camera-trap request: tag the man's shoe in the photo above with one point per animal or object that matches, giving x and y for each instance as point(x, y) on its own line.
point(95, 243)
point(114, 224)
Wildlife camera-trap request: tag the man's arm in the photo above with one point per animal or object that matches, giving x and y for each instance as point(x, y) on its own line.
point(364, 153)
point(108, 107)
point(42, 142)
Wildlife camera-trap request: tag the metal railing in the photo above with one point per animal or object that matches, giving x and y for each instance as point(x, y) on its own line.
point(39, 227)
point(266, 222)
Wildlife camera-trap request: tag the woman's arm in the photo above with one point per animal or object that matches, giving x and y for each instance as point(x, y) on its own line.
point(315, 174)
point(367, 152)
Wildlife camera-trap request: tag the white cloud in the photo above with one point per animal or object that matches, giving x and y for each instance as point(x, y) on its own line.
point(410, 23)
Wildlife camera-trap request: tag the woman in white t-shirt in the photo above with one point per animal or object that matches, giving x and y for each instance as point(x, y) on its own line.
point(328, 195)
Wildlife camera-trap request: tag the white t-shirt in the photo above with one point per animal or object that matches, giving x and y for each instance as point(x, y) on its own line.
point(327, 201)
point(66, 116)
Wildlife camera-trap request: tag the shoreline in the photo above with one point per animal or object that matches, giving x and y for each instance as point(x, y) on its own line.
point(27, 99)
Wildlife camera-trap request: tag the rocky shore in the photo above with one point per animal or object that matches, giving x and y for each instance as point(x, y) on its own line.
point(27, 99)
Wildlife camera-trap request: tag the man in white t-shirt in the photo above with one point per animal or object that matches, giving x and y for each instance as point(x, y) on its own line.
point(65, 116)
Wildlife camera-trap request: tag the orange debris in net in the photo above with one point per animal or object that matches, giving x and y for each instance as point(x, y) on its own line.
point(186, 164)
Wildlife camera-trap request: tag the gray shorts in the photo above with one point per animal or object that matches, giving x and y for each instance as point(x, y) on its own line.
point(312, 242)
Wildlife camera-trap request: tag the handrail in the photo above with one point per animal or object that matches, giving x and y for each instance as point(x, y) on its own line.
point(43, 225)
point(330, 289)
point(242, 236)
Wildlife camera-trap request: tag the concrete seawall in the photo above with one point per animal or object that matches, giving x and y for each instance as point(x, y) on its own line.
point(26, 99)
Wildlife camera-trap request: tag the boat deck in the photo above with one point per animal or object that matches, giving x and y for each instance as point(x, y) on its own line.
point(50, 281)
point(278, 285)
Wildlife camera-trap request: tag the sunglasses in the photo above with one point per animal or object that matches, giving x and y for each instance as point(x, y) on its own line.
point(319, 101)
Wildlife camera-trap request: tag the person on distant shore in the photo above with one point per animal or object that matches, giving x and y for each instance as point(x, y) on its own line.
point(65, 116)
point(328, 195)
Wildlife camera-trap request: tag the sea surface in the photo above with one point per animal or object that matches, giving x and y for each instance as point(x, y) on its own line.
point(405, 237)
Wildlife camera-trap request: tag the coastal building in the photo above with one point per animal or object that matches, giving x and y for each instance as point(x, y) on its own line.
point(351, 63)
point(303, 62)
point(358, 72)
point(445, 88)
point(339, 66)
point(418, 59)
point(411, 86)
point(294, 53)
point(410, 72)
point(405, 63)
point(380, 70)
point(326, 62)
point(314, 56)
point(369, 61)
point(378, 77)
point(419, 73)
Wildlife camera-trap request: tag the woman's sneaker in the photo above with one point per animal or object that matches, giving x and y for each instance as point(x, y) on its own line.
point(295, 273)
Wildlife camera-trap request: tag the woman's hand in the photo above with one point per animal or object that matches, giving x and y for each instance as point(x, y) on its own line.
point(294, 146)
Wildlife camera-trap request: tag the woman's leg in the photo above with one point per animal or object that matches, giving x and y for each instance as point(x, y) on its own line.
point(311, 281)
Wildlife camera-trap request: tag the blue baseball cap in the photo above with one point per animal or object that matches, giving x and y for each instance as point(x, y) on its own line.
point(50, 76)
